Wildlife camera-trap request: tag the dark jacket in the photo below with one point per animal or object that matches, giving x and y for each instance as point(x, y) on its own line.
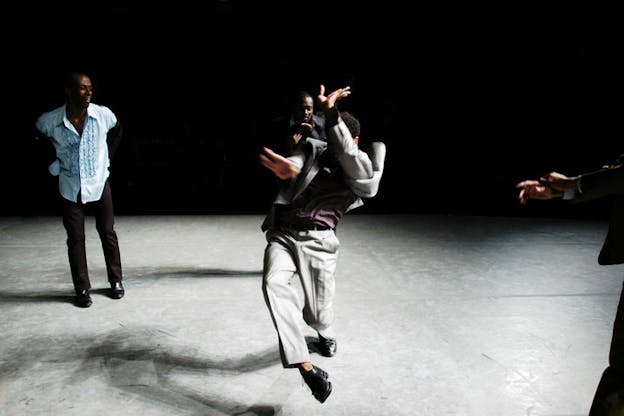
point(608, 181)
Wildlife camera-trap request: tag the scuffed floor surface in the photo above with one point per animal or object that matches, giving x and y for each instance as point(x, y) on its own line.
point(435, 315)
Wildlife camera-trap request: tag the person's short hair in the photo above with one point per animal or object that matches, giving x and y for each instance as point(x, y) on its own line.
point(299, 97)
point(353, 124)
point(70, 76)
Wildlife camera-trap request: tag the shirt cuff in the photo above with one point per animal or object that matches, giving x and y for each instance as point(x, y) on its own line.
point(572, 193)
point(569, 194)
point(55, 168)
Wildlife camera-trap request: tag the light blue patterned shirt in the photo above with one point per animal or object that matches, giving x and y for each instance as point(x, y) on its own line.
point(81, 161)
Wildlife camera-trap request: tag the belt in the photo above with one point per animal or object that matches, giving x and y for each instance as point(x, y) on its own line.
point(310, 227)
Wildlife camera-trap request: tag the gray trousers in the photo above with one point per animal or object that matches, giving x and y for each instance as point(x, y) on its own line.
point(312, 256)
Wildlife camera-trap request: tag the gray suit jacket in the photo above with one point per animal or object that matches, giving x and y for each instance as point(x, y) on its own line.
point(362, 170)
point(608, 181)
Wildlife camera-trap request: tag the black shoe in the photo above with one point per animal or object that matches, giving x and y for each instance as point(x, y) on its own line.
point(327, 346)
point(117, 290)
point(316, 379)
point(83, 299)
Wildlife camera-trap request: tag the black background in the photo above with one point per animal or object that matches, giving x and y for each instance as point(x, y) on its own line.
point(468, 99)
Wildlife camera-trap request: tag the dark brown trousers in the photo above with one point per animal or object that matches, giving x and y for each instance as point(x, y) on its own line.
point(74, 222)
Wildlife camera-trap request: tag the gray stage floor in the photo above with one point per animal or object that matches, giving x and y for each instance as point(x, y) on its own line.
point(436, 316)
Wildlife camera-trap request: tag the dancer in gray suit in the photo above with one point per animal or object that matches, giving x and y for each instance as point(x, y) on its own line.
point(319, 182)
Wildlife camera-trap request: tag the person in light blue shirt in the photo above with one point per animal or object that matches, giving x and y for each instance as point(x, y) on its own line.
point(85, 137)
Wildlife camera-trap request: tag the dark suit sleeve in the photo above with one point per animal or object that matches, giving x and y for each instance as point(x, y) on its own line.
point(113, 138)
point(608, 181)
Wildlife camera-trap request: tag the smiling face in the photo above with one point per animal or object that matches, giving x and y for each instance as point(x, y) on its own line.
point(79, 91)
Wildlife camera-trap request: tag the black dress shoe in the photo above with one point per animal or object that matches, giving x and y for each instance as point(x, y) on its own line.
point(327, 346)
point(316, 379)
point(83, 299)
point(117, 290)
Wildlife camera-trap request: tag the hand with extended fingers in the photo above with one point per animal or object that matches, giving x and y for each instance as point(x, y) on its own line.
point(329, 101)
point(278, 164)
point(549, 186)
